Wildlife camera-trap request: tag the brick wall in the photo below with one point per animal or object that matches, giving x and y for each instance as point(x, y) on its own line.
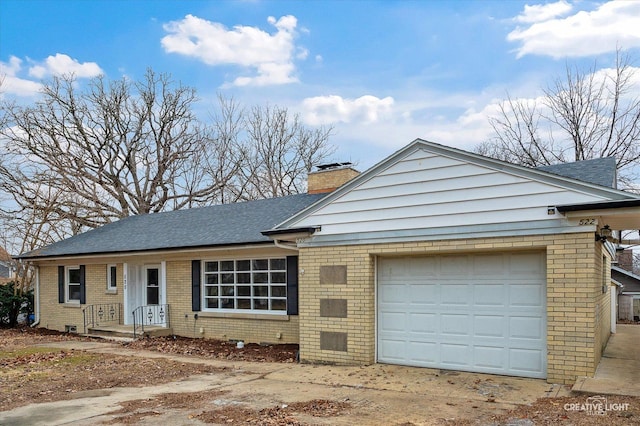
point(329, 180)
point(56, 316)
point(248, 327)
point(578, 318)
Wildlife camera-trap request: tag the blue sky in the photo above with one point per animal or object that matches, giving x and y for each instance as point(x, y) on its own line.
point(382, 72)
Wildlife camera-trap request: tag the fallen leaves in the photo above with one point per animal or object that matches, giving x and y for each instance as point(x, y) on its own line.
point(217, 349)
point(284, 414)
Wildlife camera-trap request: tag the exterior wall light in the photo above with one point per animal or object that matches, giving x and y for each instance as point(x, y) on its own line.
point(605, 234)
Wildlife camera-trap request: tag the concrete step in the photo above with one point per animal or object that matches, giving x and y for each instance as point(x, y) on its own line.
point(126, 332)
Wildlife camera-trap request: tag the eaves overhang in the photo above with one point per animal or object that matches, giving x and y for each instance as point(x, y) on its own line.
point(290, 234)
point(142, 252)
point(619, 214)
point(600, 205)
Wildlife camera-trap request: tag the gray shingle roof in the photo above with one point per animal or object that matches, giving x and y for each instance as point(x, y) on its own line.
point(599, 171)
point(630, 281)
point(227, 224)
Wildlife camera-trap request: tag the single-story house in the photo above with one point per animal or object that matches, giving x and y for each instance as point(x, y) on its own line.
point(434, 257)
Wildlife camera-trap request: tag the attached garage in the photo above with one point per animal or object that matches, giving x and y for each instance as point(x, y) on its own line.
point(451, 260)
point(472, 312)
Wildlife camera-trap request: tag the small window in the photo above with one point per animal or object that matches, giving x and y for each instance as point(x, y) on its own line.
point(112, 283)
point(73, 284)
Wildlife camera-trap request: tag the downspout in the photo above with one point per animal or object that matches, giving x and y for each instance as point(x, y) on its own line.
point(285, 246)
point(36, 298)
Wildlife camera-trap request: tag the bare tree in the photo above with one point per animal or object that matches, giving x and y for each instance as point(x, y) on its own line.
point(275, 150)
point(582, 115)
point(114, 150)
point(81, 157)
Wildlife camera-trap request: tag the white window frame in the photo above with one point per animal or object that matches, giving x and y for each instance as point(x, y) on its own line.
point(112, 286)
point(277, 290)
point(67, 283)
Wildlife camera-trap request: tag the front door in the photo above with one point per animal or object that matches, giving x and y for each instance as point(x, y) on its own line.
point(144, 286)
point(152, 282)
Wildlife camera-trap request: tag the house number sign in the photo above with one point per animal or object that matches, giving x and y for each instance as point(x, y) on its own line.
point(590, 221)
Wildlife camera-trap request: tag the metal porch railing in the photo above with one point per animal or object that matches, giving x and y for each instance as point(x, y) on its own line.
point(102, 314)
point(149, 315)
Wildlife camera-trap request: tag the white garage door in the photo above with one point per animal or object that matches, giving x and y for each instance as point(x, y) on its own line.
point(481, 312)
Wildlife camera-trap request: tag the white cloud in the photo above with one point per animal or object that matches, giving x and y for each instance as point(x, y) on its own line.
point(58, 65)
point(611, 25)
point(270, 55)
point(62, 64)
point(10, 83)
point(331, 109)
point(543, 12)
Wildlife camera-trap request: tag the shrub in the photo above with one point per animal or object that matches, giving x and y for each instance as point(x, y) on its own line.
point(13, 304)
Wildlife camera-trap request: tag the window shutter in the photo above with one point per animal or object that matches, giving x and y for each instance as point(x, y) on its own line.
point(60, 284)
point(83, 289)
point(292, 285)
point(195, 285)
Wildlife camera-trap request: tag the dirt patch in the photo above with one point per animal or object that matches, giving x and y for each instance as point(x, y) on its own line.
point(21, 337)
point(34, 374)
point(209, 348)
point(39, 374)
point(574, 410)
point(280, 415)
point(133, 411)
point(229, 412)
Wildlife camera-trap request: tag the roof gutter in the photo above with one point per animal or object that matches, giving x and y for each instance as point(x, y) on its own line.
point(599, 205)
point(287, 238)
point(158, 252)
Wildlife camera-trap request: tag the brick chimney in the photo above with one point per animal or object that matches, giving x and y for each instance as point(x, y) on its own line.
point(625, 259)
point(330, 177)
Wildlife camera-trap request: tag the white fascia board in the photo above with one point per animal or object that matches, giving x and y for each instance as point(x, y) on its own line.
point(550, 227)
point(147, 253)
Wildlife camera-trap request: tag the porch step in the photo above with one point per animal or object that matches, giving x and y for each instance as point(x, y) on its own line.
point(118, 332)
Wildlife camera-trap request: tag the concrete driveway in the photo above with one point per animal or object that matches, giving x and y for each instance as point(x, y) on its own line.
point(619, 370)
point(378, 394)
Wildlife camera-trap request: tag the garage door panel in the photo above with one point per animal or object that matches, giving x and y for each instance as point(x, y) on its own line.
point(524, 360)
point(423, 352)
point(393, 350)
point(487, 265)
point(473, 312)
point(522, 327)
point(526, 295)
point(489, 295)
point(423, 294)
point(455, 324)
point(490, 357)
point(423, 323)
point(393, 321)
point(452, 266)
point(489, 326)
point(455, 355)
point(393, 293)
point(455, 294)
